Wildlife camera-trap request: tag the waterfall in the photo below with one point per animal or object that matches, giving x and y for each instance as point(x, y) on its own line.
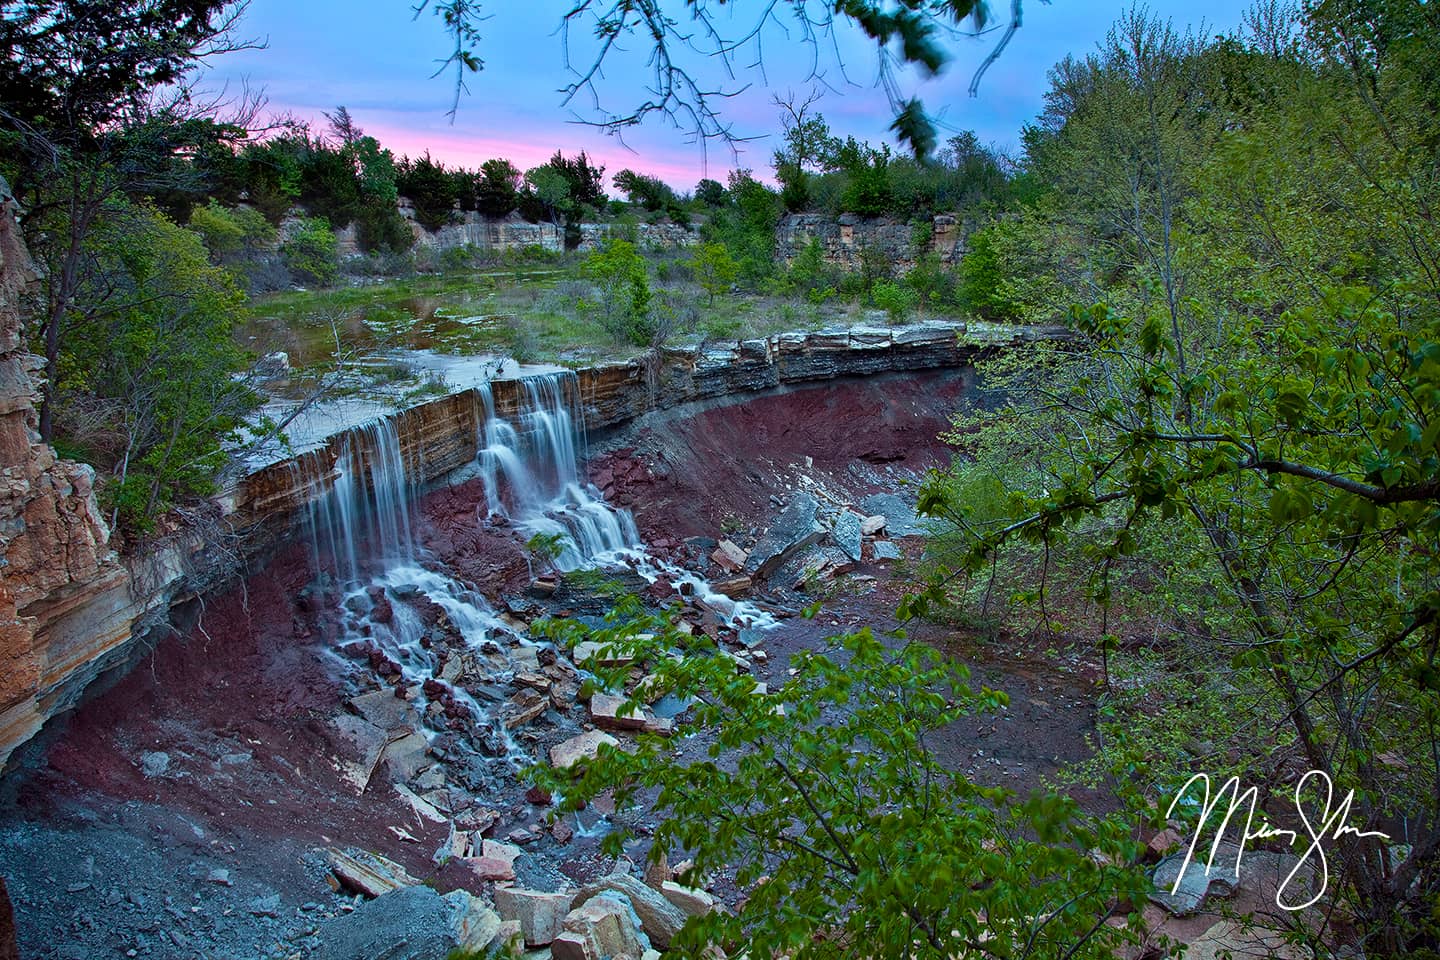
point(531, 470)
point(365, 522)
point(531, 467)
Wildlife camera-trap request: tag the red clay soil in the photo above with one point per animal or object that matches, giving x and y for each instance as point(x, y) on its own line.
point(684, 477)
point(252, 680)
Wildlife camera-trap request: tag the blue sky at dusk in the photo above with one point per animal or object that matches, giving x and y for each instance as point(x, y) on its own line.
point(377, 60)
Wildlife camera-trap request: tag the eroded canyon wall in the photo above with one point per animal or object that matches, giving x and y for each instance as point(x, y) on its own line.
point(71, 611)
point(54, 544)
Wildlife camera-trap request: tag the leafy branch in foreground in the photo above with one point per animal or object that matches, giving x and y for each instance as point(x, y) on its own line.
point(847, 832)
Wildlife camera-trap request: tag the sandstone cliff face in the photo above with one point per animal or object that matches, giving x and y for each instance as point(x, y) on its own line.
point(843, 239)
point(54, 544)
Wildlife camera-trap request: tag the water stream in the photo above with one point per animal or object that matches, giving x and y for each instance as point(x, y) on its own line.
point(530, 464)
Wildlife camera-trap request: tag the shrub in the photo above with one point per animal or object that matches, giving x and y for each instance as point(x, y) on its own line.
point(311, 252)
point(895, 299)
point(619, 271)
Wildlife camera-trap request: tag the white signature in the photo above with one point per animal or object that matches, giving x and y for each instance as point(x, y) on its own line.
point(1329, 827)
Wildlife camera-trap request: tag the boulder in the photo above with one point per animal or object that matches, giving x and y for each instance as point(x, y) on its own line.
point(611, 924)
point(885, 550)
point(793, 530)
point(1197, 882)
point(659, 918)
point(412, 923)
point(541, 915)
point(1231, 939)
point(872, 525)
point(584, 747)
point(695, 902)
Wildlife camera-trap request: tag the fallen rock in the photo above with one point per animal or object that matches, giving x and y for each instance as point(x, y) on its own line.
point(406, 756)
point(588, 653)
point(657, 869)
point(496, 861)
point(900, 517)
point(414, 923)
point(541, 915)
point(886, 550)
point(384, 709)
point(565, 755)
point(695, 902)
point(368, 873)
point(659, 918)
point(154, 763)
point(1231, 939)
point(793, 530)
point(847, 533)
point(729, 557)
point(609, 713)
point(610, 924)
point(525, 706)
point(733, 587)
point(870, 526)
point(1197, 883)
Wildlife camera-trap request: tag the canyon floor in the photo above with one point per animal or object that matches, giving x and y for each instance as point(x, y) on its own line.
point(189, 810)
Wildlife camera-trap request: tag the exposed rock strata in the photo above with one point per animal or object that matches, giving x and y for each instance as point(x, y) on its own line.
point(54, 544)
point(85, 607)
point(844, 240)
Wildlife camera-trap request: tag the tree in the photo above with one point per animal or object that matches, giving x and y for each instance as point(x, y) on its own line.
point(808, 145)
point(710, 192)
point(848, 834)
point(497, 192)
point(88, 124)
point(714, 268)
point(311, 252)
point(1248, 428)
point(619, 271)
point(152, 364)
point(427, 185)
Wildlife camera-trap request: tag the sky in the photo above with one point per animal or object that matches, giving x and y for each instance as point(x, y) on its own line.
point(378, 59)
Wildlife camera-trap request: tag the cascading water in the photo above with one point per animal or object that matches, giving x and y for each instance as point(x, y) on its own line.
point(531, 472)
point(365, 522)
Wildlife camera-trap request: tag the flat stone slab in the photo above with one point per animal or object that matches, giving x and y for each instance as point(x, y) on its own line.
point(584, 747)
point(885, 550)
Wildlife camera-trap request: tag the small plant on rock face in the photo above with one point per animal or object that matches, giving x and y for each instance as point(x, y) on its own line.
point(546, 548)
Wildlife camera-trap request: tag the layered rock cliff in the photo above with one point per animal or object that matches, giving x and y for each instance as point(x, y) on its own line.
point(845, 240)
point(54, 544)
point(70, 610)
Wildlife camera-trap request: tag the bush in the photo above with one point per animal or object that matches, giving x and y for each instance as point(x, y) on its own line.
point(619, 271)
point(895, 299)
point(311, 252)
point(714, 268)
